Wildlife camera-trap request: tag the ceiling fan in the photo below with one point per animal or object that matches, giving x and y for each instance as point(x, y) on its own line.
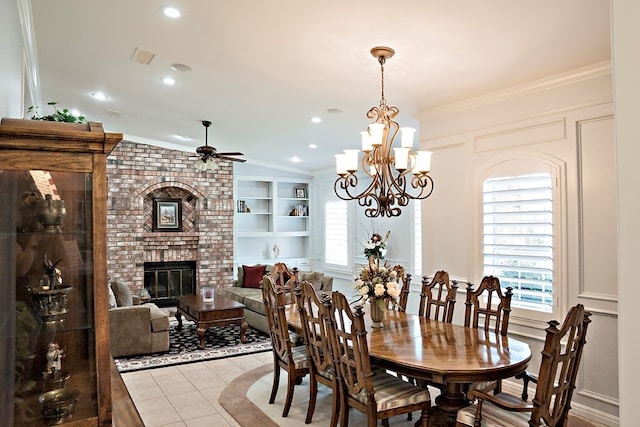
point(206, 153)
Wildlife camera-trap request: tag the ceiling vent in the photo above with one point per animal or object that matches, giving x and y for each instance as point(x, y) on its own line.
point(142, 56)
point(112, 113)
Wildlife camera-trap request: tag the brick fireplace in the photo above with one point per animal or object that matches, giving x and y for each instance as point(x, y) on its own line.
point(138, 174)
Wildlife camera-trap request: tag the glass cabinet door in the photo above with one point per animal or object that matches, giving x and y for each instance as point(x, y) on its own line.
point(47, 328)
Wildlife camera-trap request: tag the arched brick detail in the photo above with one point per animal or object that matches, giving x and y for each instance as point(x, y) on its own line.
point(137, 173)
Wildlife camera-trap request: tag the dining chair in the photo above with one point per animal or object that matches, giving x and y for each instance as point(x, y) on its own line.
point(378, 395)
point(285, 356)
point(555, 382)
point(283, 276)
point(488, 308)
point(313, 315)
point(438, 297)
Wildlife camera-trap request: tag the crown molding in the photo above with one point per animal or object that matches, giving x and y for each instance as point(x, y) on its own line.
point(564, 79)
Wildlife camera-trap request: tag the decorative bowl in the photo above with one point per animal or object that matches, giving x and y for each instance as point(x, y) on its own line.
point(59, 404)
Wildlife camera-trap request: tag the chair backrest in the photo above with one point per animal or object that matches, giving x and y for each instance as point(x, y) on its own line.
point(438, 297)
point(313, 317)
point(274, 307)
point(559, 367)
point(490, 303)
point(284, 277)
point(349, 348)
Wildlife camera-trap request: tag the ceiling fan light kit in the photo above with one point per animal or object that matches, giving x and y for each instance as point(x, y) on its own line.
point(207, 154)
point(388, 169)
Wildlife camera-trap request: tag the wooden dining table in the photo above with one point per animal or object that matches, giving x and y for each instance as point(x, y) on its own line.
point(450, 356)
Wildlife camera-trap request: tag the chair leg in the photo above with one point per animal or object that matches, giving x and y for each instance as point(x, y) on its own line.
point(385, 422)
point(313, 393)
point(291, 383)
point(344, 410)
point(424, 418)
point(276, 382)
point(335, 408)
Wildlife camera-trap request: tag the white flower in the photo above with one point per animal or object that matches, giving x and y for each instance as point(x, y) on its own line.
point(363, 291)
point(393, 290)
point(393, 274)
point(369, 245)
point(382, 269)
point(383, 252)
point(379, 290)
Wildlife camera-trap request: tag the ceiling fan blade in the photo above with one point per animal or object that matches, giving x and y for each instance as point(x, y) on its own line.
point(234, 153)
point(233, 159)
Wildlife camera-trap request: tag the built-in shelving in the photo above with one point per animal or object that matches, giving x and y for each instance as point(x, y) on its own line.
point(272, 221)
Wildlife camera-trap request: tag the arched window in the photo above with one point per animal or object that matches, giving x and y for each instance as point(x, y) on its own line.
point(520, 232)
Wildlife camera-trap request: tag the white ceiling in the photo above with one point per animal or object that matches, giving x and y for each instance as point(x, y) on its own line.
point(261, 69)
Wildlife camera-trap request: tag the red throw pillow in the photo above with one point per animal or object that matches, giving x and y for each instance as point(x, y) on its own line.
point(252, 276)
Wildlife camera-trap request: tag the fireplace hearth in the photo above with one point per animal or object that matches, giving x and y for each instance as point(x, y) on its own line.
point(165, 281)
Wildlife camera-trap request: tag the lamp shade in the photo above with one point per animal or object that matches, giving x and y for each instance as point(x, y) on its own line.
point(377, 131)
point(407, 136)
point(423, 162)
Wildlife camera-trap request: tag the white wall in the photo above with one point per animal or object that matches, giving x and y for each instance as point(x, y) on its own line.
point(567, 121)
point(626, 71)
point(11, 64)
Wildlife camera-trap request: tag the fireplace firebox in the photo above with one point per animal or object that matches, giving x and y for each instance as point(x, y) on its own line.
point(165, 281)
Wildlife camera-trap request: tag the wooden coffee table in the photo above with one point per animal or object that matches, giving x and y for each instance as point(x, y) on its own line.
point(222, 311)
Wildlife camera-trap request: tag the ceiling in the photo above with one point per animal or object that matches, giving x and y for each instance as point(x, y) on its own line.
point(261, 70)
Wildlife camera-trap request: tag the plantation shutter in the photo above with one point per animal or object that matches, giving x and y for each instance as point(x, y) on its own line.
point(518, 237)
point(335, 236)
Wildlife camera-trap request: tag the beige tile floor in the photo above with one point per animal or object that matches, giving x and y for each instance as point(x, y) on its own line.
point(187, 395)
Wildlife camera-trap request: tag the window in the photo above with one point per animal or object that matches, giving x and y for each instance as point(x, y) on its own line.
point(518, 237)
point(336, 248)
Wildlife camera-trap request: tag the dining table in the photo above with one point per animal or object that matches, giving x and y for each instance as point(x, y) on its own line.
point(451, 357)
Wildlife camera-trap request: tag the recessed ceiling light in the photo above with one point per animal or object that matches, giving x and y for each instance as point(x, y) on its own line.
point(169, 81)
point(180, 67)
point(99, 96)
point(171, 12)
point(295, 159)
point(313, 146)
point(316, 119)
point(183, 137)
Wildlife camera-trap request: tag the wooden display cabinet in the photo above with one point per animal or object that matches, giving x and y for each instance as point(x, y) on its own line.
point(53, 186)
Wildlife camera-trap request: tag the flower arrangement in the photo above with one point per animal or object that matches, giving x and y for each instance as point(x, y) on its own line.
point(376, 246)
point(378, 285)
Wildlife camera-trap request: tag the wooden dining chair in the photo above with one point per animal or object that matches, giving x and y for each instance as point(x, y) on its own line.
point(285, 356)
point(313, 315)
point(438, 297)
point(378, 396)
point(488, 307)
point(555, 382)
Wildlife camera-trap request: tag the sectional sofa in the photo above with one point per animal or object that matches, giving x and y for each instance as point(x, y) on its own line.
point(248, 291)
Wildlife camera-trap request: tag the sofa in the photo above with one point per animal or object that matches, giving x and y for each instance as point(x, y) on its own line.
point(248, 291)
point(135, 328)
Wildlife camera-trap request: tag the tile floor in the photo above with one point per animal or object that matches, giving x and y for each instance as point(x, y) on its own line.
point(187, 395)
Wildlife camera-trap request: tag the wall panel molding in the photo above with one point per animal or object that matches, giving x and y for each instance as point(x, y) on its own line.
point(519, 136)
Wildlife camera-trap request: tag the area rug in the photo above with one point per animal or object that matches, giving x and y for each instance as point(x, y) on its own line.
point(235, 401)
point(220, 342)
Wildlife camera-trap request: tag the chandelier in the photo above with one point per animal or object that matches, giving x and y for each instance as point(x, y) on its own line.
point(389, 170)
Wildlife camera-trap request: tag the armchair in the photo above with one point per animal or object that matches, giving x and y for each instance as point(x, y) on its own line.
point(136, 329)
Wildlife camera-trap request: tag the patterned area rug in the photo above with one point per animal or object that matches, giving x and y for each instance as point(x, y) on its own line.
point(220, 342)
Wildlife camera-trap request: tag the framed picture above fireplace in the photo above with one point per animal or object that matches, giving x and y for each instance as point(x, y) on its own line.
point(167, 214)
